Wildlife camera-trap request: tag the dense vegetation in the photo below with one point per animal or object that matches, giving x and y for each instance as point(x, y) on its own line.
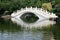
point(8, 6)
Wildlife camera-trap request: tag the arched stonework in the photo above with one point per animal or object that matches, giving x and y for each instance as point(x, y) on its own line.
point(43, 16)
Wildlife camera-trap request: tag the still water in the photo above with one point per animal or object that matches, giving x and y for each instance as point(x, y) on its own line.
point(9, 31)
point(26, 35)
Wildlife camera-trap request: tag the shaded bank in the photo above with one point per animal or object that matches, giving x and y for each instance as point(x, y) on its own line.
point(7, 25)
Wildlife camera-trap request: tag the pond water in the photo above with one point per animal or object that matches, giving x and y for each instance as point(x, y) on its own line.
point(10, 31)
point(26, 35)
point(40, 23)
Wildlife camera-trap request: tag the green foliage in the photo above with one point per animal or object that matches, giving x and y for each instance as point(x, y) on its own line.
point(38, 4)
point(12, 5)
point(57, 1)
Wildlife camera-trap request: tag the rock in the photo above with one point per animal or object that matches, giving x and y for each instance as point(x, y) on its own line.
point(6, 17)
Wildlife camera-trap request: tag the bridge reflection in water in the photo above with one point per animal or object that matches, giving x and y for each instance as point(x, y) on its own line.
point(20, 17)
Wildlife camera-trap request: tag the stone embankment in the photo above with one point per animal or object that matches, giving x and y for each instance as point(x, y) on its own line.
point(6, 16)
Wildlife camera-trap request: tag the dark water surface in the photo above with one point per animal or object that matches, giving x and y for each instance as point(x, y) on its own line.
point(10, 31)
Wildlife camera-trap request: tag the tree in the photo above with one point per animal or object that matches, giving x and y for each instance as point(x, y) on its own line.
point(38, 4)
